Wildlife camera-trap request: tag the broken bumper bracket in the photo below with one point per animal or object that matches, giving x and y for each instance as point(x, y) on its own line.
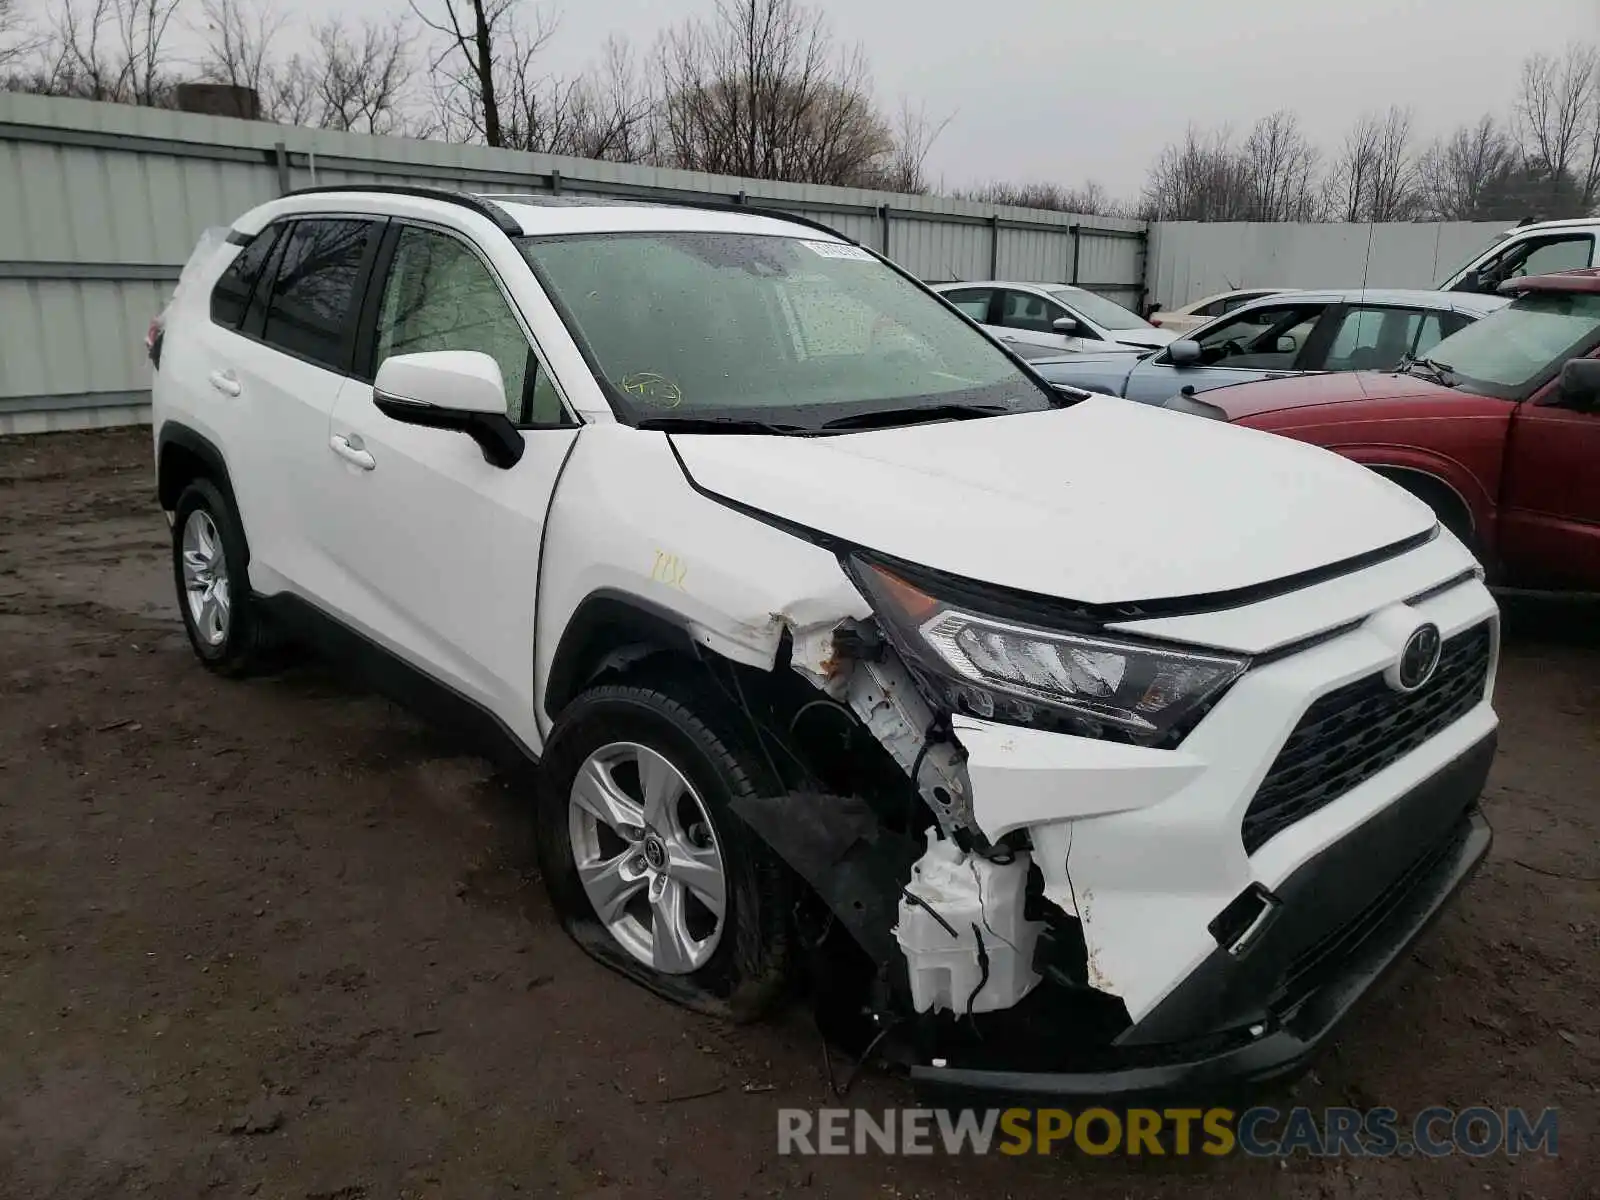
point(1305, 1012)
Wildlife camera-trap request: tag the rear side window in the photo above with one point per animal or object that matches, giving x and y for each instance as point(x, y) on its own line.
point(311, 308)
point(972, 301)
point(231, 295)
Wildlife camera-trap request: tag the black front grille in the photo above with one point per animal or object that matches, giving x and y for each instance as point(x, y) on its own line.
point(1353, 733)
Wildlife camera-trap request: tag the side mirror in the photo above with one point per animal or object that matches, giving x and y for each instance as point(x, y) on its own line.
point(1580, 384)
point(1066, 325)
point(1184, 352)
point(458, 390)
point(1287, 344)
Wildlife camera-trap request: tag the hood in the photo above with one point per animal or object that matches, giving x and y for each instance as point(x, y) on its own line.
point(1150, 339)
point(1106, 373)
point(1301, 391)
point(1103, 502)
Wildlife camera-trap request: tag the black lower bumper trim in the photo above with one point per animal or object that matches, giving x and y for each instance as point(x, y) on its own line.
point(1330, 969)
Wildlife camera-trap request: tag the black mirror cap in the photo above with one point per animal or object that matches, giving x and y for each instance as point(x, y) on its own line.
point(1580, 384)
point(496, 436)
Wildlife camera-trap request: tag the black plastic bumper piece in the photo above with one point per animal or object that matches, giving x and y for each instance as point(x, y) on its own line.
point(1348, 916)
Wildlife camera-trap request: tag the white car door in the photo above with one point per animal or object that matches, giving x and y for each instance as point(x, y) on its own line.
point(278, 373)
point(439, 549)
point(1029, 319)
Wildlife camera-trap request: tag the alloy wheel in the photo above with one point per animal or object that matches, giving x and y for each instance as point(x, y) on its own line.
point(647, 857)
point(205, 578)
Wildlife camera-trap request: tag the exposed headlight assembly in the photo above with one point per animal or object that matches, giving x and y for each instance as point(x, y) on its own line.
point(1007, 670)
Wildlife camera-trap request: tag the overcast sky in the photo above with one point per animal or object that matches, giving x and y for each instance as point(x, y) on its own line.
point(1070, 90)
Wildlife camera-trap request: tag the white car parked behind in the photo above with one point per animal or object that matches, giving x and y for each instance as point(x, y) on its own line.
point(1054, 315)
point(1140, 744)
point(1196, 313)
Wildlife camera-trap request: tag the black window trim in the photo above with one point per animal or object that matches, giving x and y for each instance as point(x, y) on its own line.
point(365, 349)
point(244, 242)
point(253, 325)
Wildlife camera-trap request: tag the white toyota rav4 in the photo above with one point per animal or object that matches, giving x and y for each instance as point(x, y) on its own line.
point(1060, 745)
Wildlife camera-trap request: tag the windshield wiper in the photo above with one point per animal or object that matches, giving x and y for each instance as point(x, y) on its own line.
point(885, 417)
point(1442, 372)
point(720, 425)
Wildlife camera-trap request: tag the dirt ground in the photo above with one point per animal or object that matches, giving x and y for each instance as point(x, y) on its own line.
point(277, 939)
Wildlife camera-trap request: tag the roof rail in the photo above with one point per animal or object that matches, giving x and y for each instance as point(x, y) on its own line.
point(729, 206)
point(484, 208)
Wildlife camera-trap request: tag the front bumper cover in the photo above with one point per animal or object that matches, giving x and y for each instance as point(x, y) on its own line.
point(1347, 916)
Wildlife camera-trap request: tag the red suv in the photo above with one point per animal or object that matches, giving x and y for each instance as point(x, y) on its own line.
point(1498, 429)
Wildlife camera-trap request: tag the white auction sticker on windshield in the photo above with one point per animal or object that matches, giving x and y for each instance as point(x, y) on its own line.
point(837, 250)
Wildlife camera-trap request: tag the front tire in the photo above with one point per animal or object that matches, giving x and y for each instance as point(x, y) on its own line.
point(209, 571)
point(648, 867)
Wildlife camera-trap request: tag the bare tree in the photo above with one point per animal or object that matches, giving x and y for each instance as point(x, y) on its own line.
point(1374, 177)
point(1091, 199)
point(17, 38)
point(105, 50)
point(360, 75)
point(1558, 126)
point(238, 37)
point(485, 50)
point(612, 112)
point(1279, 166)
point(762, 90)
point(913, 136)
point(1202, 178)
point(1469, 175)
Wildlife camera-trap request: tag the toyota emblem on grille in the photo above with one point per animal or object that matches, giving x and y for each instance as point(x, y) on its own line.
point(1419, 659)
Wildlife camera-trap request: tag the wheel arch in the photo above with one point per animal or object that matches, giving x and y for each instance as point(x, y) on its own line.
point(610, 630)
point(183, 455)
point(1439, 493)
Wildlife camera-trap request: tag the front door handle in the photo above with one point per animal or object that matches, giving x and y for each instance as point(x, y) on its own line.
point(343, 447)
point(225, 382)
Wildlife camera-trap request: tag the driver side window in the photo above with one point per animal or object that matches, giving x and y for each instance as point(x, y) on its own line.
point(439, 295)
point(1541, 256)
point(1024, 310)
point(1269, 338)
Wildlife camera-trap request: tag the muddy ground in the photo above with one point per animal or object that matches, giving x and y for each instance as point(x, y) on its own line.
point(277, 939)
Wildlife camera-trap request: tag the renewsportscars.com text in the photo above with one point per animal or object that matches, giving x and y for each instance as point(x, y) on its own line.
point(1217, 1132)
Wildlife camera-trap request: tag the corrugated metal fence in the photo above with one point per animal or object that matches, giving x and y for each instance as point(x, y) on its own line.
point(100, 205)
point(1190, 259)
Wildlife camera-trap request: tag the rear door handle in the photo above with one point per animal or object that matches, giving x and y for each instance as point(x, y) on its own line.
point(225, 382)
point(342, 446)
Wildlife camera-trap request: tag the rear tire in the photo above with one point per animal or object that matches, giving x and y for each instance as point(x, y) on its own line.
point(209, 571)
point(671, 751)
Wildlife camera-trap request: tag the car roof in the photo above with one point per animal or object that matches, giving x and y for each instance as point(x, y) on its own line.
point(1011, 283)
point(534, 215)
point(1243, 291)
point(1563, 223)
point(1473, 302)
point(544, 215)
point(1579, 279)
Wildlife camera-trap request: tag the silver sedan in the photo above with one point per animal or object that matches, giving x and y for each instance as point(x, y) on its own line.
point(1356, 329)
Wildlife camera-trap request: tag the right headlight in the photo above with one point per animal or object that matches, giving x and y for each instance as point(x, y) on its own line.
point(1002, 669)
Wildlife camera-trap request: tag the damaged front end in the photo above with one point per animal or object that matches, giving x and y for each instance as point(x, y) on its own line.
point(1015, 892)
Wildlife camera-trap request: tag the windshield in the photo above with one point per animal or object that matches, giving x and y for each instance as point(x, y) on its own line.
point(1101, 311)
point(1512, 351)
point(720, 327)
